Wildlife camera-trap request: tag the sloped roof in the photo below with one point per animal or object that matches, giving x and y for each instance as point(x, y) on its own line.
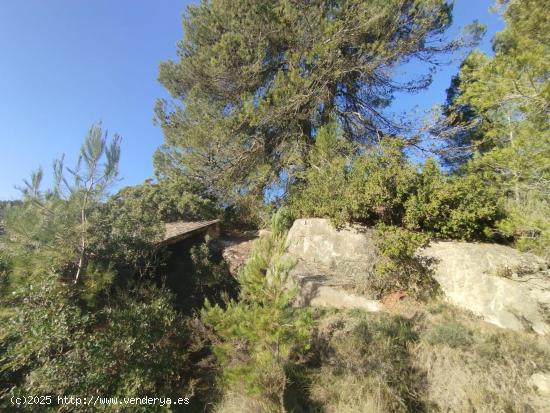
point(176, 231)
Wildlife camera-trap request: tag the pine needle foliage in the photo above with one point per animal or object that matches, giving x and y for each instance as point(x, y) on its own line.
point(259, 333)
point(256, 79)
point(497, 118)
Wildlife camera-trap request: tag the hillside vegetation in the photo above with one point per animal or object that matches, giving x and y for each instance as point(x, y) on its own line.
point(282, 110)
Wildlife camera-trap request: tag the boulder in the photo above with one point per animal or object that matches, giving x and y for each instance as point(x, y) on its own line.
point(348, 254)
point(329, 262)
point(319, 289)
point(505, 287)
point(541, 381)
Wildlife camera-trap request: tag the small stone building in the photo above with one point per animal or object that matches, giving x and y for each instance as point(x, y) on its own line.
point(176, 232)
point(179, 238)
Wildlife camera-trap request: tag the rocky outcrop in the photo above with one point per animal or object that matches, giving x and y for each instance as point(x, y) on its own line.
point(346, 256)
point(502, 285)
point(329, 263)
point(236, 249)
point(319, 288)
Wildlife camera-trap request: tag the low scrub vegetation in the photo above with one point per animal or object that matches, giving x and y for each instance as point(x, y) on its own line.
point(417, 357)
point(423, 358)
point(382, 186)
point(400, 268)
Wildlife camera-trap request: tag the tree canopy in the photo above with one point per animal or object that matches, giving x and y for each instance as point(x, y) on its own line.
point(255, 81)
point(497, 119)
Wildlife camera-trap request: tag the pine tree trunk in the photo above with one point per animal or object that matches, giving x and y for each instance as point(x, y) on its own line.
point(514, 170)
point(82, 239)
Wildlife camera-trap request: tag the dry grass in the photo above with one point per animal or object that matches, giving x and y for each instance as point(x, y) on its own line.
point(417, 358)
point(366, 365)
point(473, 366)
point(234, 402)
point(350, 393)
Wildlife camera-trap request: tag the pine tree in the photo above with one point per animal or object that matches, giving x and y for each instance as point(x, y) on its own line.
point(256, 79)
point(506, 99)
point(52, 225)
point(259, 332)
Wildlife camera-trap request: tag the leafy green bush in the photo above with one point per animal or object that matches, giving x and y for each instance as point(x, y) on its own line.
point(136, 346)
point(380, 185)
point(247, 212)
point(82, 311)
point(325, 191)
point(400, 268)
point(383, 179)
point(457, 207)
point(126, 230)
point(172, 200)
point(349, 187)
point(209, 276)
point(528, 223)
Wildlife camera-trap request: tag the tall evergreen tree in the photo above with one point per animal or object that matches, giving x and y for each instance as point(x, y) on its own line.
point(256, 79)
point(499, 112)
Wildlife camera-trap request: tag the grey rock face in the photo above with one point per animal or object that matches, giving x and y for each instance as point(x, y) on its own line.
point(348, 254)
point(505, 287)
point(329, 262)
point(502, 285)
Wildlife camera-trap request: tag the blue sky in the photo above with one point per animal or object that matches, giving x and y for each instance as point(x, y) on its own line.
point(66, 64)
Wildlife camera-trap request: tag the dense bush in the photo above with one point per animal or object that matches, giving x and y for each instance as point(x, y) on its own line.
point(176, 199)
point(458, 207)
point(115, 330)
point(380, 185)
point(498, 109)
point(246, 212)
point(400, 268)
point(41, 236)
point(528, 224)
point(205, 276)
point(134, 346)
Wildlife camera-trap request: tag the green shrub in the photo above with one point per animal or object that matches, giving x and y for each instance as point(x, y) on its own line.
point(400, 268)
point(247, 212)
point(326, 191)
point(382, 179)
point(259, 332)
point(346, 187)
point(209, 276)
point(450, 333)
point(457, 207)
point(381, 185)
point(528, 223)
point(136, 346)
